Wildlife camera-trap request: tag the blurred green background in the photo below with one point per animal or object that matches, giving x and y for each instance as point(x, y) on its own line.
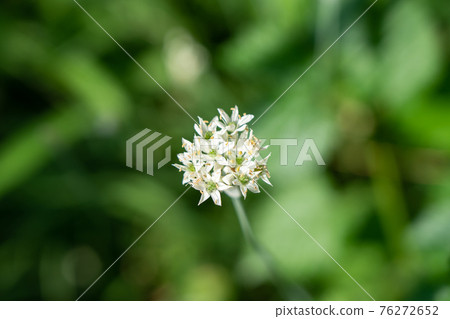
point(377, 105)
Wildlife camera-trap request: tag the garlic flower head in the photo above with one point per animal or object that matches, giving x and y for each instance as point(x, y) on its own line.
point(223, 156)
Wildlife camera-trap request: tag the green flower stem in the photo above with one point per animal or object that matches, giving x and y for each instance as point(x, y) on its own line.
point(287, 289)
point(243, 221)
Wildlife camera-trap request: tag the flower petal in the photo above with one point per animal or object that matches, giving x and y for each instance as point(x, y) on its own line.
point(180, 167)
point(245, 119)
point(215, 195)
point(209, 166)
point(221, 160)
point(228, 179)
point(243, 191)
point(266, 179)
point(224, 116)
point(235, 114)
point(205, 196)
point(253, 187)
point(213, 124)
point(197, 142)
point(221, 125)
point(222, 187)
point(216, 176)
point(186, 178)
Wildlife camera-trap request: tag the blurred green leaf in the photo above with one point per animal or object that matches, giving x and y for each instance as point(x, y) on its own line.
point(410, 53)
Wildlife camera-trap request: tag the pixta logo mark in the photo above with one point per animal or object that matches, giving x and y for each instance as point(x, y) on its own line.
point(142, 146)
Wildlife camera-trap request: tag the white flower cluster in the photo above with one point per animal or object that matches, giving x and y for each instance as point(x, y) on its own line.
point(224, 155)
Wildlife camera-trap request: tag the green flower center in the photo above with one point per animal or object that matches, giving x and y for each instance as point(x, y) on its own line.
point(244, 179)
point(212, 153)
point(191, 168)
point(239, 160)
point(232, 126)
point(211, 186)
point(208, 135)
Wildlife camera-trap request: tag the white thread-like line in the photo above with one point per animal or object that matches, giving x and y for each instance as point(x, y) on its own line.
point(134, 60)
point(137, 239)
point(315, 61)
point(317, 243)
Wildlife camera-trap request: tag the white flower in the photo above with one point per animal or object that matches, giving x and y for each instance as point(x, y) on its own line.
point(236, 123)
point(223, 156)
point(206, 131)
point(210, 185)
